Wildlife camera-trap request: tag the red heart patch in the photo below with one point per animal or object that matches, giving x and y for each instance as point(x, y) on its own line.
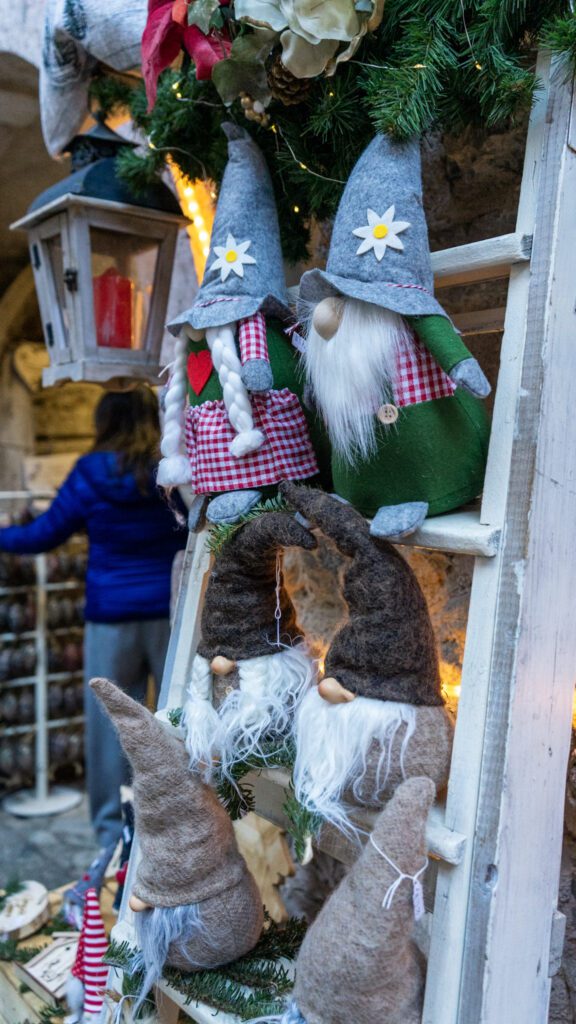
point(200, 367)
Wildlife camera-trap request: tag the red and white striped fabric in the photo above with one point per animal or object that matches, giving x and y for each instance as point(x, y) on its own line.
point(286, 454)
point(420, 379)
point(88, 965)
point(252, 338)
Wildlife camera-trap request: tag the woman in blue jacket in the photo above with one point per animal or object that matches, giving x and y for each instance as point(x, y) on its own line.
point(133, 536)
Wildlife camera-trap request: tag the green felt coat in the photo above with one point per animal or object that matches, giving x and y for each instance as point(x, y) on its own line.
point(435, 452)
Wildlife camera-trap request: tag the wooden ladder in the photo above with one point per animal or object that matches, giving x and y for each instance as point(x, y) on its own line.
point(496, 935)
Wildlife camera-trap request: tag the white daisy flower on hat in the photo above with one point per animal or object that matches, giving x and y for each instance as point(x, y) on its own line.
point(380, 232)
point(232, 257)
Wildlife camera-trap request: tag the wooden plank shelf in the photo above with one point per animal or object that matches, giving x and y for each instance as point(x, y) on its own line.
point(270, 791)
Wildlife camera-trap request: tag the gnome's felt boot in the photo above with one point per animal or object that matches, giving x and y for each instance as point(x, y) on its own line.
point(393, 522)
point(203, 907)
point(229, 508)
point(358, 962)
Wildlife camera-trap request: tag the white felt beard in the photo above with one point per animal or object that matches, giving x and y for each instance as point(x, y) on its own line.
point(270, 690)
point(332, 746)
point(354, 373)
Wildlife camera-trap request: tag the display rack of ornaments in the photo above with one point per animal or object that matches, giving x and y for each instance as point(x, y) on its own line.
point(41, 658)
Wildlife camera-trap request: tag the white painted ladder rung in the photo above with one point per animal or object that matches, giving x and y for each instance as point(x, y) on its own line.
point(480, 261)
point(461, 533)
point(270, 791)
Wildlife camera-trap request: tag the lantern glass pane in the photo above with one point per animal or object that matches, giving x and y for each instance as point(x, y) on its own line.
point(56, 259)
point(123, 269)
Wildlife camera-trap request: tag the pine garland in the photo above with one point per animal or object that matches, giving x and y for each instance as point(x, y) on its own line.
point(432, 64)
point(10, 950)
point(252, 986)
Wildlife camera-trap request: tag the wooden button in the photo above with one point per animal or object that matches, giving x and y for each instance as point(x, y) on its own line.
point(387, 413)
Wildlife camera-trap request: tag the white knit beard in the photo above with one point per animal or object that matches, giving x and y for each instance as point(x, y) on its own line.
point(332, 746)
point(262, 709)
point(354, 373)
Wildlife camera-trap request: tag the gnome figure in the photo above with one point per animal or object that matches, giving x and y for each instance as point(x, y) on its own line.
point(197, 905)
point(85, 988)
point(252, 667)
point(358, 962)
point(397, 388)
point(377, 717)
point(244, 427)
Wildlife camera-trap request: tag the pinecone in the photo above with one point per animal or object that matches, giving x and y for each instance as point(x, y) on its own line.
point(284, 86)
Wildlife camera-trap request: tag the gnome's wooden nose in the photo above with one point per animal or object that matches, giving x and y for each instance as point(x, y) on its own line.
point(333, 691)
point(327, 316)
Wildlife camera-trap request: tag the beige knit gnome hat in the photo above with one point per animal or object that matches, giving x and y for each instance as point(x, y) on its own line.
point(189, 851)
point(377, 973)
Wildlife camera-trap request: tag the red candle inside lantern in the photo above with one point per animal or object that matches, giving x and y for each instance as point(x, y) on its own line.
point(113, 309)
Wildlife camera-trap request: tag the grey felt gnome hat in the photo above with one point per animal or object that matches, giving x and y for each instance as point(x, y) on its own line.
point(387, 648)
point(244, 271)
point(189, 851)
point(379, 250)
point(238, 618)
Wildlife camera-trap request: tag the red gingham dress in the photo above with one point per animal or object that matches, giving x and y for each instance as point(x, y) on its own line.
point(286, 454)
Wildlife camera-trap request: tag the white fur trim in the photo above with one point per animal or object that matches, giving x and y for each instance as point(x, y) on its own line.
point(74, 996)
point(354, 372)
point(332, 746)
point(174, 471)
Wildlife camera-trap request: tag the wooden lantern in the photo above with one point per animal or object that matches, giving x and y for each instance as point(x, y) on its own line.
point(102, 260)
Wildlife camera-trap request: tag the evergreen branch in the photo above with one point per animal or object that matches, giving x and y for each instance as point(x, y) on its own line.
point(220, 535)
point(111, 95)
point(304, 824)
point(559, 35)
point(225, 988)
point(238, 799)
point(10, 950)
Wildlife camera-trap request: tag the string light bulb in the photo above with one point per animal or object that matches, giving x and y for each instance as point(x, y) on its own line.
point(196, 200)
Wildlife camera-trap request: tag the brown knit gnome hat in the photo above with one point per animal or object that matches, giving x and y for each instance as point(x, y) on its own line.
point(387, 648)
point(189, 850)
point(376, 974)
point(238, 619)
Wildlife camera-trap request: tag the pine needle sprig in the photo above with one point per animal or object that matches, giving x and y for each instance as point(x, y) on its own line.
point(10, 950)
point(304, 825)
point(221, 535)
point(238, 799)
point(250, 987)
